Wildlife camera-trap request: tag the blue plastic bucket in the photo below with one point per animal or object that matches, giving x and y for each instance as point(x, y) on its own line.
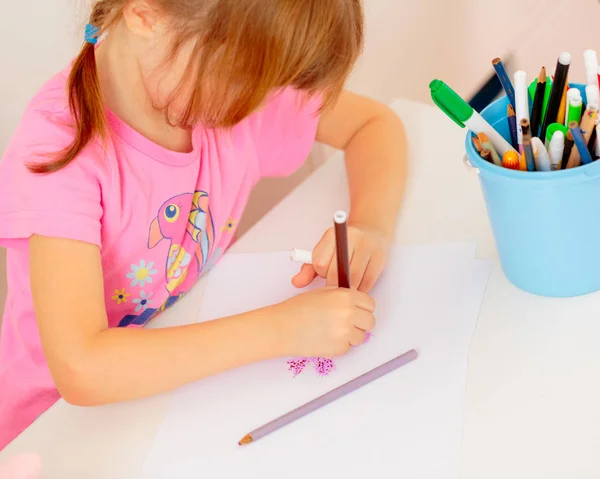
point(546, 225)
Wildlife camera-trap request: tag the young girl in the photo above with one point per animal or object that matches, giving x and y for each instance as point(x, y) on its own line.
point(127, 176)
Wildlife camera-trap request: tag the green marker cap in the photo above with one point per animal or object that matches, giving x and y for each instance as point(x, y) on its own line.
point(553, 128)
point(450, 103)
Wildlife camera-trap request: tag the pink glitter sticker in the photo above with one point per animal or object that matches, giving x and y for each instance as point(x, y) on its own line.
point(296, 366)
point(323, 366)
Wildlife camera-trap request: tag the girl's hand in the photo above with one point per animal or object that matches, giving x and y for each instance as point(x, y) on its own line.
point(368, 251)
point(324, 323)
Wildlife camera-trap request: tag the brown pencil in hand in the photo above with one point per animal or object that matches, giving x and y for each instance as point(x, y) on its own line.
point(340, 220)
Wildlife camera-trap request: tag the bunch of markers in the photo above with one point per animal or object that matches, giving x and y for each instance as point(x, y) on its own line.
point(551, 128)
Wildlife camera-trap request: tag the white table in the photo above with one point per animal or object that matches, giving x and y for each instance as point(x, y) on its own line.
point(533, 391)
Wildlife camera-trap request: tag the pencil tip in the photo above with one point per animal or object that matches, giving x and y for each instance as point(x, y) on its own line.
point(246, 440)
point(542, 76)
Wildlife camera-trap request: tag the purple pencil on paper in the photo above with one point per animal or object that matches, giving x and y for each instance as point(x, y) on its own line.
point(330, 397)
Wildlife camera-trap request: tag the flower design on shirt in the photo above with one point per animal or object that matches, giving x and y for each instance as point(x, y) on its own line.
point(120, 296)
point(143, 301)
point(141, 274)
point(229, 226)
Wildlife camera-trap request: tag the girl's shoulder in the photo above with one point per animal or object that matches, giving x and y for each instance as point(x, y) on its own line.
point(52, 97)
point(65, 203)
point(289, 104)
point(284, 130)
point(46, 128)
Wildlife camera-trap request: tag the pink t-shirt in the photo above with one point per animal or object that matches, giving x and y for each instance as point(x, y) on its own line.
point(161, 218)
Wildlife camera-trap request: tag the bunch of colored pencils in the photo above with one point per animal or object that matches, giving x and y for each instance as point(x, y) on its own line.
point(550, 124)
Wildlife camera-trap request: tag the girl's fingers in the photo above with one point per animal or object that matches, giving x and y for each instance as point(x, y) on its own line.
point(306, 276)
point(332, 278)
point(324, 253)
point(365, 319)
point(357, 337)
point(358, 267)
point(372, 273)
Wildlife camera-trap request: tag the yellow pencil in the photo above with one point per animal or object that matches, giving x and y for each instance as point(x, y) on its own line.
point(562, 110)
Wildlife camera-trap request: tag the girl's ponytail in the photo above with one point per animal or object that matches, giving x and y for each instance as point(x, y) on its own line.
point(85, 98)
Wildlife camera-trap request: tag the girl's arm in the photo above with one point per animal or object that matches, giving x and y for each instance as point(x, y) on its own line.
point(373, 138)
point(92, 364)
point(374, 141)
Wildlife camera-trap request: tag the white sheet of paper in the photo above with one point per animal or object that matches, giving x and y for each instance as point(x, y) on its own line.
point(408, 422)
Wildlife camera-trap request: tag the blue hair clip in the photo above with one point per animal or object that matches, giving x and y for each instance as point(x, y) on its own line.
point(91, 34)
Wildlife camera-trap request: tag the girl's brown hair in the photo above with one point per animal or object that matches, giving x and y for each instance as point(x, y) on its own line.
point(244, 49)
